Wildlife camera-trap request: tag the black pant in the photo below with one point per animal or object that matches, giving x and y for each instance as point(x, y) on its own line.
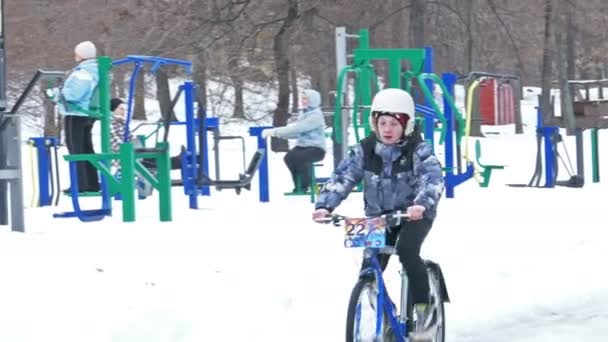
point(411, 235)
point(299, 160)
point(79, 140)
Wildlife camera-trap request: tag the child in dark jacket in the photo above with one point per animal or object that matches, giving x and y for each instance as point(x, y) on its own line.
point(119, 110)
point(117, 107)
point(399, 172)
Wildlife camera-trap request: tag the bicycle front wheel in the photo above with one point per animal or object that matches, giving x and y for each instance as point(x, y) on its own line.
point(362, 312)
point(437, 302)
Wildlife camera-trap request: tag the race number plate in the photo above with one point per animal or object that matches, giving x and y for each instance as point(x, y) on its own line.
point(365, 232)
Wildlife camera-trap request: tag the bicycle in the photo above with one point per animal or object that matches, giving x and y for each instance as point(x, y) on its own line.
point(370, 289)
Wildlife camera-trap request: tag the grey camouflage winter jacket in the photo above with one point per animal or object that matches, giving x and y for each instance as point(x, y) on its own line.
point(394, 177)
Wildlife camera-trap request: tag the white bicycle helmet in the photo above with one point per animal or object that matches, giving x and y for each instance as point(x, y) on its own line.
point(393, 101)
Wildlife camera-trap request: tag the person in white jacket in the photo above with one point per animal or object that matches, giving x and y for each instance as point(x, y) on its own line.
point(309, 132)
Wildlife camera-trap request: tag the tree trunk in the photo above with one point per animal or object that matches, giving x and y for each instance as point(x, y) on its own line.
point(139, 108)
point(237, 84)
point(546, 73)
point(417, 13)
point(571, 44)
point(398, 22)
point(295, 94)
point(281, 60)
point(469, 25)
point(118, 84)
point(200, 77)
point(51, 121)
point(163, 95)
point(51, 124)
point(561, 40)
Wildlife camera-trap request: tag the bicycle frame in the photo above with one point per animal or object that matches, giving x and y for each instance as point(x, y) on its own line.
point(397, 323)
point(383, 300)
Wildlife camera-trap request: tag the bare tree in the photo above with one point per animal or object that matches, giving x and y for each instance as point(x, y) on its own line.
point(417, 15)
point(561, 41)
point(546, 74)
point(281, 60)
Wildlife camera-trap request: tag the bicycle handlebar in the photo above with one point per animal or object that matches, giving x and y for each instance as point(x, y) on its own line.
point(336, 218)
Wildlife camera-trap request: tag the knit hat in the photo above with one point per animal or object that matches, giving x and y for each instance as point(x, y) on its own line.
point(114, 103)
point(401, 117)
point(86, 50)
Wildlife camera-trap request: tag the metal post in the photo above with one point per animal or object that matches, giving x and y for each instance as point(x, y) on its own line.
point(580, 156)
point(364, 83)
point(449, 139)
point(44, 175)
point(548, 133)
point(10, 152)
point(340, 53)
point(3, 184)
point(131, 99)
point(595, 155)
point(127, 191)
point(263, 171)
point(340, 147)
point(429, 120)
point(164, 183)
point(2, 61)
point(16, 184)
point(190, 142)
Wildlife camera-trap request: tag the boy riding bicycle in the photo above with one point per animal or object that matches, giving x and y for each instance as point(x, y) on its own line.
point(399, 172)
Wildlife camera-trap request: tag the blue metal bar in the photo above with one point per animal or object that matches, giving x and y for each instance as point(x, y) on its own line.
point(263, 171)
point(548, 133)
point(156, 61)
point(452, 179)
point(429, 121)
point(87, 215)
point(132, 84)
point(192, 171)
point(449, 141)
point(40, 143)
point(427, 111)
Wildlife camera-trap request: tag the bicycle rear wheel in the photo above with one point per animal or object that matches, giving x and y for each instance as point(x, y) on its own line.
point(437, 332)
point(362, 308)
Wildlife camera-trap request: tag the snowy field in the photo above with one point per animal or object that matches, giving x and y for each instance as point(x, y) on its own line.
point(521, 264)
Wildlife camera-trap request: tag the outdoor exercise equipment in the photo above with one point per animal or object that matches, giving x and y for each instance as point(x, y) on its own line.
point(494, 100)
point(418, 77)
point(11, 182)
point(129, 163)
point(44, 160)
point(548, 139)
point(590, 112)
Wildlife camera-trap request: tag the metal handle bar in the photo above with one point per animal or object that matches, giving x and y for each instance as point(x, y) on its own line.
point(336, 218)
